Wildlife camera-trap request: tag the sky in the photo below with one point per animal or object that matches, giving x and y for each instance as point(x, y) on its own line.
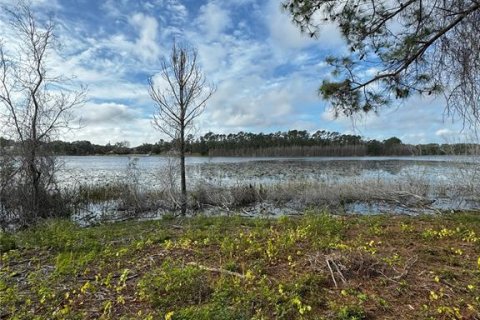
point(266, 72)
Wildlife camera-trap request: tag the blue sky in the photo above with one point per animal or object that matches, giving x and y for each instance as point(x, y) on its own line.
point(266, 72)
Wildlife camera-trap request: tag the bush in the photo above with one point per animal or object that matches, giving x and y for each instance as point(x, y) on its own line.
point(244, 195)
point(18, 210)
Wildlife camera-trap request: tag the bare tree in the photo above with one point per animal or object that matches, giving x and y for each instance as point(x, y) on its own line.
point(35, 105)
point(180, 95)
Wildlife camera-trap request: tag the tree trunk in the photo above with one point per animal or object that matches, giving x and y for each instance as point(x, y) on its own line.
point(34, 178)
point(183, 200)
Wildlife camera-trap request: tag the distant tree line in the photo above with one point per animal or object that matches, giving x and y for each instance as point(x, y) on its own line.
point(86, 148)
point(291, 143)
point(294, 143)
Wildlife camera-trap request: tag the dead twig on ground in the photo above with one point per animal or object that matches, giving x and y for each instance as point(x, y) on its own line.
point(408, 265)
point(216, 270)
point(331, 273)
point(331, 262)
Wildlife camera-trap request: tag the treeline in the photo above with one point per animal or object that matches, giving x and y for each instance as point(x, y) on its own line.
point(86, 148)
point(319, 144)
point(291, 143)
point(295, 143)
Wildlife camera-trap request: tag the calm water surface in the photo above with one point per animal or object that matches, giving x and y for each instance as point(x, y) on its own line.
point(233, 170)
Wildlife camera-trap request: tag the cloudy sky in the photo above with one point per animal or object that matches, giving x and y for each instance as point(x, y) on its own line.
point(266, 72)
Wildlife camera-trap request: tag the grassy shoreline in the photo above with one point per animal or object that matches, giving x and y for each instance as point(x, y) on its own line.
point(313, 267)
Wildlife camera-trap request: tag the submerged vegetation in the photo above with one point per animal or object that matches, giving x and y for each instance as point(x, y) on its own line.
point(313, 267)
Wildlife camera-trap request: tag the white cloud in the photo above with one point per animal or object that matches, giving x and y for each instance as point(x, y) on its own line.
point(146, 45)
point(111, 122)
point(107, 112)
point(416, 120)
point(254, 103)
point(457, 135)
point(286, 35)
point(213, 20)
point(178, 10)
point(445, 132)
point(282, 31)
point(266, 71)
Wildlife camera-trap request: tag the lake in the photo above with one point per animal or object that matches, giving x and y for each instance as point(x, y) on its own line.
point(228, 171)
point(366, 185)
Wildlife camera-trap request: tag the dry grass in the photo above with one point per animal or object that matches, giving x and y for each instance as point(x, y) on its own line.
point(407, 195)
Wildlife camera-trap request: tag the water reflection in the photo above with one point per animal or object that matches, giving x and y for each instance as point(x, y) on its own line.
point(229, 171)
point(447, 183)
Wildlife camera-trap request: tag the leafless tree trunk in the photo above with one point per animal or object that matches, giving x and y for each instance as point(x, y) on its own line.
point(35, 105)
point(180, 94)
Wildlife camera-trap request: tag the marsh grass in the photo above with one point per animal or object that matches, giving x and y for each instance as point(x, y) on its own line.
point(127, 197)
point(306, 194)
point(100, 193)
point(379, 267)
point(411, 194)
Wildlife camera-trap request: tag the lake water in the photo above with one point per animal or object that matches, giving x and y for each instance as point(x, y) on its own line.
point(228, 171)
point(443, 182)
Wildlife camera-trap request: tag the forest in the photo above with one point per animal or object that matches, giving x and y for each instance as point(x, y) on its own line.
point(293, 143)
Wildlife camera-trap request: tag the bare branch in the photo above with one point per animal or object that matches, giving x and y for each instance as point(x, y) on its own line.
point(37, 107)
point(179, 100)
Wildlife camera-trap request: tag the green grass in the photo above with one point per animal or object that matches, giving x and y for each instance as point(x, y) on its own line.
point(313, 267)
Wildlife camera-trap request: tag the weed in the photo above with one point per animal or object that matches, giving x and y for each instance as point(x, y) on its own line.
point(7, 242)
point(174, 286)
point(351, 313)
point(71, 263)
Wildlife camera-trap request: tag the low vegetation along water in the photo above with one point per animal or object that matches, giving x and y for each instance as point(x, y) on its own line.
point(277, 186)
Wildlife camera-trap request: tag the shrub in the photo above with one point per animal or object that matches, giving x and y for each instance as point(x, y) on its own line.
point(244, 195)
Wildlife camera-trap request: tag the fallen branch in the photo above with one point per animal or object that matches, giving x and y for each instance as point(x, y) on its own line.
point(404, 272)
point(330, 261)
point(217, 270)
point(331, 273)
point(406, 268)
